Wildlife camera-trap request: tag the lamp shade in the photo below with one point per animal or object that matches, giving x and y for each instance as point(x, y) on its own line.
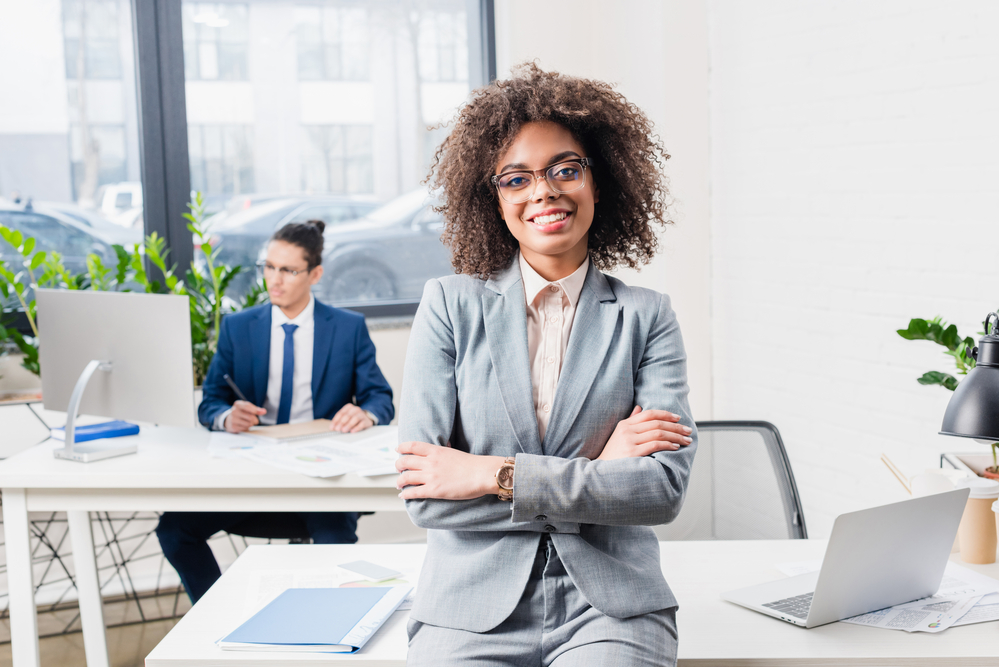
point(973, 411)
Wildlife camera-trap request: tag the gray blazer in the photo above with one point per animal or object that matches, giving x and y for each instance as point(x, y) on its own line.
point(468, 382)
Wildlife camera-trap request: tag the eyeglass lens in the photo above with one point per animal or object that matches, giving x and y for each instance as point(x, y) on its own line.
point(518, 186)
point(284, 271)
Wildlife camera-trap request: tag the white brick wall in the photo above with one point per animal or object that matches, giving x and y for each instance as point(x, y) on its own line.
point(855, 184)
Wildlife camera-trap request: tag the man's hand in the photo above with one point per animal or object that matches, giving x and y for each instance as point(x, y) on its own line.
point(430, 471)
point(645, 433)
point(244, 415)
point(350, 419)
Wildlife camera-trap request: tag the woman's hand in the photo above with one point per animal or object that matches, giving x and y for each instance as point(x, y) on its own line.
point(646, 432)
point(431, 471)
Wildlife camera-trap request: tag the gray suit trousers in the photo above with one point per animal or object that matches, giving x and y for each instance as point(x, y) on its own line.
point(552, 626)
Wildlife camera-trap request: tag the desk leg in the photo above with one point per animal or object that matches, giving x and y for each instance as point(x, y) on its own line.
point(20, 580)
point(87, 584)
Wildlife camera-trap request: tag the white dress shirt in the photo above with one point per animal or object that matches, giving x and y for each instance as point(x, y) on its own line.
point(301, 393)
point(551, 307)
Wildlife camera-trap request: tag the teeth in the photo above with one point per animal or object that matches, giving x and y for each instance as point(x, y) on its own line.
point(549, 219)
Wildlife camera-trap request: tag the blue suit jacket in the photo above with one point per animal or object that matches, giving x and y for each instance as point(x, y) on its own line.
point(343, 364)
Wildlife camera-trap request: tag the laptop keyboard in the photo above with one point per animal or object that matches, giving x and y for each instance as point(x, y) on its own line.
point(796, 606)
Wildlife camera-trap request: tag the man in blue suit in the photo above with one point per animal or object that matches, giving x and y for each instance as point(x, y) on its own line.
point(295, 360)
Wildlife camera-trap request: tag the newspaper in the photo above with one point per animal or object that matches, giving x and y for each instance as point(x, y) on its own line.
point(963, 594)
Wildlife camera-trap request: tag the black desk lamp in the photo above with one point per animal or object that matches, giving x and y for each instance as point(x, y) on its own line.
point(973, 411)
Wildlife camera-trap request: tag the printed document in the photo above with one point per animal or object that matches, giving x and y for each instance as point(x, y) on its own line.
point(964, 597)
point(329, 456)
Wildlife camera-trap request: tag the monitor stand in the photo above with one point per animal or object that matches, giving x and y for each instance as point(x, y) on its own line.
point(87, 452)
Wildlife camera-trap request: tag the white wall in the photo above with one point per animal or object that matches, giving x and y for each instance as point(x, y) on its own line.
point(657, 54)
point(855, 184)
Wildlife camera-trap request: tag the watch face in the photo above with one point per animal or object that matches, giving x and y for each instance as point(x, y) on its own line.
point(505, 477)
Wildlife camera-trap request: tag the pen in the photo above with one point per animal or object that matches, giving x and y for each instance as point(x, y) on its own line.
point(232, 385)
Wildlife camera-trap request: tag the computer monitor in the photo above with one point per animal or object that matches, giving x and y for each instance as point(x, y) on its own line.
point(121, 355)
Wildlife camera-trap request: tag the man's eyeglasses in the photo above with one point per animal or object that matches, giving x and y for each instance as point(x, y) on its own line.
point(516, 187)
point(269, 269)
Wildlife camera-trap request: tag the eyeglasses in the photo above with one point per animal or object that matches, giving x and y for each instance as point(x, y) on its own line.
point(518, 186)
point(268, 268)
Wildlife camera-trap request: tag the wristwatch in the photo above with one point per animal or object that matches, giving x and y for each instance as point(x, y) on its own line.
point(504, 479)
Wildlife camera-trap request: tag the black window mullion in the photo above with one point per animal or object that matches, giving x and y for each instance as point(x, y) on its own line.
point(481, 42)
point(166, 179)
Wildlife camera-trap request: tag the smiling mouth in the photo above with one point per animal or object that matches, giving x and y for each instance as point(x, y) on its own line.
point(542, 220)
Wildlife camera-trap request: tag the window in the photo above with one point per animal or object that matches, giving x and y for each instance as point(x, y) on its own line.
point(337, 159)
point(215, 41)
point(443, 46)
point(336, 105)
point(221, 158)
point(332, 43)
point(70, 133)
point(90, 39)
point(97, 154)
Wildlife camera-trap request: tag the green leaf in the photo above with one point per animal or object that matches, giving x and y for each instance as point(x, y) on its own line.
point(16, 239)
point(916, 330)
point(936, 377)
point(29, 245)
point(38, 259)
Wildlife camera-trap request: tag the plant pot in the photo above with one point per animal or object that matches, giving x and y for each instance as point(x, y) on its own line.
point(991, 473)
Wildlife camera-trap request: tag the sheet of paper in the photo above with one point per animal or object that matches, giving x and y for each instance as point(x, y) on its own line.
point(382, 447)
point(406, 577)
point(799, 567)
point(328, 457)
point(987, 609)
point(223, 445)
point(963, 594)
point(933, 615)
point(960, 591)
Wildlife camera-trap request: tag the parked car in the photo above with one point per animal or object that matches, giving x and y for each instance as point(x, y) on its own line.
point(241, 233)
point(111, 231)
point(53, 231)
point(387, 255)
point(121, 203)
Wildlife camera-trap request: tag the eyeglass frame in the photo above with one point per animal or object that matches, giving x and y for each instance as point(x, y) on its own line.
point(284, 270)
point(584, 163)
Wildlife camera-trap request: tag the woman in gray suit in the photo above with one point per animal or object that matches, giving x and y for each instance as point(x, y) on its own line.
point(544, 418)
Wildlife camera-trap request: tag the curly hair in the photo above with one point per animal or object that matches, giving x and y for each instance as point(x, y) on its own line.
point(615, 133)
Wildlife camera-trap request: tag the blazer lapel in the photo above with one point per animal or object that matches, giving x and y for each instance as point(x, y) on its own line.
point(321, 345)
point(260, 341)
point(593, 331)
point(504, 314)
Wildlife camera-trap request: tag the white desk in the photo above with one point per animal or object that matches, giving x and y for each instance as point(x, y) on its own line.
point(171, 472)
point(712, 632)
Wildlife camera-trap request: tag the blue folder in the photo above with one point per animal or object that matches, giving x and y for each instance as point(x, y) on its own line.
point(114, 429)
point(330, 620)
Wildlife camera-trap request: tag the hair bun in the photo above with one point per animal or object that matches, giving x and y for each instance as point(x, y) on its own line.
point(317, 223)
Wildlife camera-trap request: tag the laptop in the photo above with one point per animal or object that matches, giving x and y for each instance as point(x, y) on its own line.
point(876, 558)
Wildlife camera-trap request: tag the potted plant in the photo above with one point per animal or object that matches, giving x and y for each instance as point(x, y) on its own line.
point(959, 349)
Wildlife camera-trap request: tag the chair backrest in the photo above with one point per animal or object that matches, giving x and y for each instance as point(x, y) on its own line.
point(741, 487)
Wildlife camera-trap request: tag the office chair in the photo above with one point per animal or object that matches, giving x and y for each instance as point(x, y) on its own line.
point(741, 487)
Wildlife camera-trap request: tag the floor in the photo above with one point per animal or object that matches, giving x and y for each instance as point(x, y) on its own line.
point(128, 645)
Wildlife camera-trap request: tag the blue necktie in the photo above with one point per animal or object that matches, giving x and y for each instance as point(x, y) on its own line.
point(287, 373)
